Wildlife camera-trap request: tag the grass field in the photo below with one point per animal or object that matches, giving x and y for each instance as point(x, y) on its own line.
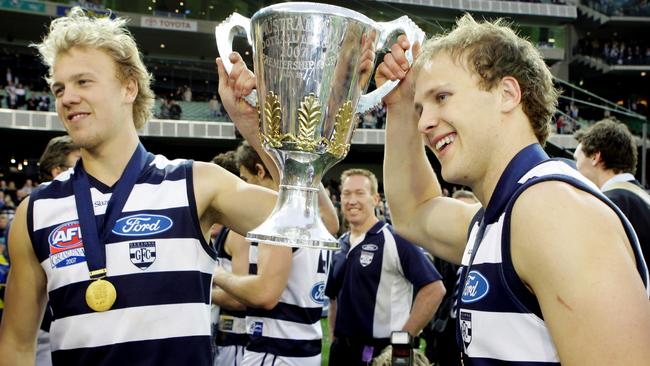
point(325, 353)
point(326, 342)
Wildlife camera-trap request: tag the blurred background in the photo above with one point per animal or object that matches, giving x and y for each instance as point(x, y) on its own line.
point(599, 52)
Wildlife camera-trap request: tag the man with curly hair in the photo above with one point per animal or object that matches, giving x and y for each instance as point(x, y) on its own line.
point(547, 256)
point(607, 155)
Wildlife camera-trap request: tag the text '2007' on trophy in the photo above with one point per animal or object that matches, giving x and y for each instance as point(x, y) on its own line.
point(312, 62)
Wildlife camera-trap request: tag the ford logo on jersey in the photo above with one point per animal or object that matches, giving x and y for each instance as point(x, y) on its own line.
point(318, 292)
point(370, 247)
point(476, 287)
point(142, 224)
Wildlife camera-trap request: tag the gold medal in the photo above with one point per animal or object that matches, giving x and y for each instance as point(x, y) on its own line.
point(100, 295)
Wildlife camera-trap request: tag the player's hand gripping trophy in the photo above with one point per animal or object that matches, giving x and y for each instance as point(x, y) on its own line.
point(312, 63)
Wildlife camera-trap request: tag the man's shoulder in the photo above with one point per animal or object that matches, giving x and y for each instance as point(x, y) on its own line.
point(633, 206)
point(560, 205)
point(544, 192)
point(344, 244)
point(619, 194)
point(162, 162)
point(61, 186)
point(552, 213)
point(628, 191)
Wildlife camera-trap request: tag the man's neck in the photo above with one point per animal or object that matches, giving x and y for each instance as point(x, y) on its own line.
point(358, 230)
point(519, 134)
point(604, 176)
point(107, 162)
point(484, 189)
point(270, 184)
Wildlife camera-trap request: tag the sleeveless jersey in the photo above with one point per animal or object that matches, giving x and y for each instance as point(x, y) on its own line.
point(156, 257)
point(232, 323)
point(291, 331)
point(500, 321)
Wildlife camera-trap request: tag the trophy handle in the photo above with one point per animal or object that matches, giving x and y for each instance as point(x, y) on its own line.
point(414, 34)
point(225, 34)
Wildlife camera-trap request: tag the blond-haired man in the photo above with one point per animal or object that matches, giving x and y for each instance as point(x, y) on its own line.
point(136, 288)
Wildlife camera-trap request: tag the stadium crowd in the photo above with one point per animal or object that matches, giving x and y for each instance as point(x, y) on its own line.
point(419, 268)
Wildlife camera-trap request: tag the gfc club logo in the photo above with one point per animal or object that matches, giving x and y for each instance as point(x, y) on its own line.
point(142, 253)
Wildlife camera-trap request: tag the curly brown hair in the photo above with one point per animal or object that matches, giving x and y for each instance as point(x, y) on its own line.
point(493, 51)
point(228, 161)
point(615, 143)
point(247, 157)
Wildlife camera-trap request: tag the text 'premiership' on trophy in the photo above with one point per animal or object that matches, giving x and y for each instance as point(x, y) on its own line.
point(313, 63)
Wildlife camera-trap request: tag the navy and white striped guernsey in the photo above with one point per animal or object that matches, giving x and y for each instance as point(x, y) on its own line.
point(232, 323)
point(500, 321)
point(290, 333)
point(156, 257)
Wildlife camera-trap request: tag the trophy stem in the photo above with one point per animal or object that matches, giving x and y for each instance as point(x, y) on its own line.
point(295, 221)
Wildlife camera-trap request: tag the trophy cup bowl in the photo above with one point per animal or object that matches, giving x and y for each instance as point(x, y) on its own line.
point(313, 63)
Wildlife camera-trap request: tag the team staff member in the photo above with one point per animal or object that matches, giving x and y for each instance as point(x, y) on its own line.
point(374, 279)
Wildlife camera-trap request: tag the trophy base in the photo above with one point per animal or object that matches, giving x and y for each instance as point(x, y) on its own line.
point(331, 244)
point(295, 221)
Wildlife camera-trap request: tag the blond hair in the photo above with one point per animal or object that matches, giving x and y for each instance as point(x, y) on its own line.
point(374, 186)
point(77, 29)
point(493, 51)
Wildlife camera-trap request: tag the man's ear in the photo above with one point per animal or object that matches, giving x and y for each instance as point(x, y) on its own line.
point(596, 158)
point(510, 93)
point(131, 90)
point(376, 198)
point(56, 171)
point(260, 172)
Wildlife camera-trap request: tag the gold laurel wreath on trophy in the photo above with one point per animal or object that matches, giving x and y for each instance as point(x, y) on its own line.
point(342, 126)
point(309, 115)
point(273, 115)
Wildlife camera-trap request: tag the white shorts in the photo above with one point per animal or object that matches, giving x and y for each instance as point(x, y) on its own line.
point(267, 359)
point(229, 356)
point(43, 352)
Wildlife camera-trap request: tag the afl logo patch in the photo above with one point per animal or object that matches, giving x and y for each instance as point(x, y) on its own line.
point(66, 236)
point(142, 225)
point(318, 292)
point(66, 245)
point(476, 287)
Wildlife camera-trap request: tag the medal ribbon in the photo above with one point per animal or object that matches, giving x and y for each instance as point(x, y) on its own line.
point(93, 243)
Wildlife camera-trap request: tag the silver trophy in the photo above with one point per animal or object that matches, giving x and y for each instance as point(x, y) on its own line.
point(313, 63)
